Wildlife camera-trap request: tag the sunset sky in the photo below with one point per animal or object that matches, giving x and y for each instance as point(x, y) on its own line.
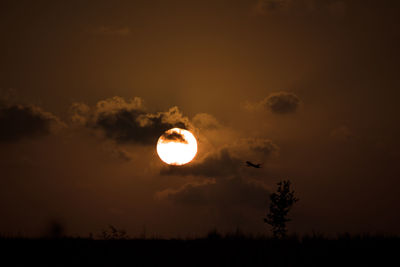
point(308, 88)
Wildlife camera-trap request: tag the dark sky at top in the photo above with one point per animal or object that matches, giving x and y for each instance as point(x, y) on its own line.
point(308, 88)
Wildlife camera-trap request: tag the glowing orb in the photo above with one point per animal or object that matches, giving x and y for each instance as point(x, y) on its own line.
point(177, 146)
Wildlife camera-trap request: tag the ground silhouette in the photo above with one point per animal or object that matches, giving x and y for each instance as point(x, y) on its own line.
point(214, 249)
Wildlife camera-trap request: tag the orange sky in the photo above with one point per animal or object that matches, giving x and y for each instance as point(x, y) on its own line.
point(308, 88)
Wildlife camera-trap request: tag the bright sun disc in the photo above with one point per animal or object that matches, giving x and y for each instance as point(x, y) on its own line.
point(177, 146)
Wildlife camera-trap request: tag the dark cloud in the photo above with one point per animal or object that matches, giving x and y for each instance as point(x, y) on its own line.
point(174, 136)
point(221, 193)
point(18, 122)
point(228, 161)
point(132, 126)
point(126, 121)
point(282, 102)
point(124, 126)
point(220, 164)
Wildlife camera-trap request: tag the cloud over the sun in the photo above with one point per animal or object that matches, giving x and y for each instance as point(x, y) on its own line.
point(126, 121)
point(174, 136)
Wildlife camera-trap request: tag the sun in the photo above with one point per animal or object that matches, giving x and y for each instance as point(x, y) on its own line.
point(177, 146)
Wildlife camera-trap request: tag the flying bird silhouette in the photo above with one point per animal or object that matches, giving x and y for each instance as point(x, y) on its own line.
point(249, 164)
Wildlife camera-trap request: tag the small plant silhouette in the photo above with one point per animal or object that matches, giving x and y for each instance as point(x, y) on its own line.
point(113, 233)
point(281, 203)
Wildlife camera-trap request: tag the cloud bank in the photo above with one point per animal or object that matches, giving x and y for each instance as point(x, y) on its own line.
point(219, 178)
point(126, 121)
point(18, 122)
point(224, 193)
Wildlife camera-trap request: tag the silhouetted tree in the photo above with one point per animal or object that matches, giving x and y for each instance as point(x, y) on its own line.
point(281, 203)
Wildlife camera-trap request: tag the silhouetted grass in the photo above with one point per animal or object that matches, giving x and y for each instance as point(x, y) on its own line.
point(215, 249)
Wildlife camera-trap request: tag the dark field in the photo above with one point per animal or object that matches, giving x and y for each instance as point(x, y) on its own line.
point(213, 250)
